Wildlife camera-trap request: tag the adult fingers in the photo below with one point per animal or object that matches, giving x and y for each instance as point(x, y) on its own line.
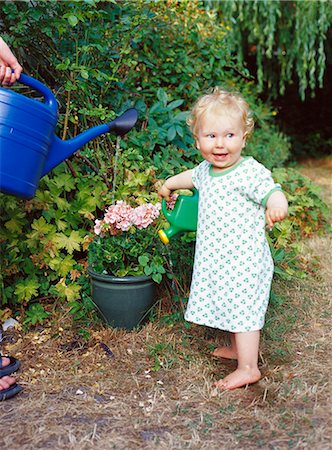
point(6, 75)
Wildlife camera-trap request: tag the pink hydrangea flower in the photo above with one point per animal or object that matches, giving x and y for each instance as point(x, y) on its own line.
point(171, 203)
point(97, 227)
point(144, 215)
point(121, 216)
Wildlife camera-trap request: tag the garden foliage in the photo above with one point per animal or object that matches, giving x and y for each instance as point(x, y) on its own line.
point(288, 40)
point(100, 58)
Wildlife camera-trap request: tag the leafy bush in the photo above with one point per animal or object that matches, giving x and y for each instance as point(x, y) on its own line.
point(156, 56)
point(101, 58)
point(308, 215)
point(43, 239)
point(269, 149)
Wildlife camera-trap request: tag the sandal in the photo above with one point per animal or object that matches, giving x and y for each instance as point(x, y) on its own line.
point(12, 367)
point(14, 389)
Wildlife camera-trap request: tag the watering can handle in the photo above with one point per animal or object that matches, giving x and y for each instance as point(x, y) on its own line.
point(50, 100)
point(164, 208)
point(166, 212)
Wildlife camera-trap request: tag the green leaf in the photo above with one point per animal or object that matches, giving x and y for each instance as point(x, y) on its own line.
point(61, 224)
point(156, 107)
point(70, 243)
point(75, 307)
point(148, 270)
point(181, 117)
point(179, 130)
point(171, 133)
point(62, 204)
point(70, 292)
point(143, 260)
point(162, 96)
point(14, 225)
point(73, 20)
point(36, 314)
point(157, 277)
point(84, 74)
point(61, 265)
point(174, 104)
point(64, 181)
point(26, 289)
point(42, 227)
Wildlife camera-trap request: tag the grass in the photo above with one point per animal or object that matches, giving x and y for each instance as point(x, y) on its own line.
point(155, 390)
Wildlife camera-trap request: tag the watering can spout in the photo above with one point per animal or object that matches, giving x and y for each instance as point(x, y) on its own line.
point(124, 123)
point(166, 235)
point(60, 150)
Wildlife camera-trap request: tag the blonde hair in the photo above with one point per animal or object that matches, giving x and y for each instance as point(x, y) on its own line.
point(219, 100)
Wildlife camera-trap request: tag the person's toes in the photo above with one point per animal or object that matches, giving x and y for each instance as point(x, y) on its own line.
point(5, 361)
point(221, 384)
point(6, 382)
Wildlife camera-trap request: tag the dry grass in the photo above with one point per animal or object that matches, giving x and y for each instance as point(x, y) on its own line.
point(157, 391)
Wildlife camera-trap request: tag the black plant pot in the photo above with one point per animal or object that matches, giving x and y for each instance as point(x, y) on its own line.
point(124, 302)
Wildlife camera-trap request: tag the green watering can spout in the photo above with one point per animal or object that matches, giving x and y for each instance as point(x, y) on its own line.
point(182, 218)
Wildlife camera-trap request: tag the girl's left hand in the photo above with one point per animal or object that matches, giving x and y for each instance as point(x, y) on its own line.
point(273, 215)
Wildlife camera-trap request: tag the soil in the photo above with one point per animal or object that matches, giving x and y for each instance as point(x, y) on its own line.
point(153, 388)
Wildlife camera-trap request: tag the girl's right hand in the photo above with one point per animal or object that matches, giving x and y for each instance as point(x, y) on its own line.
point(164, 192)
point(182, 180)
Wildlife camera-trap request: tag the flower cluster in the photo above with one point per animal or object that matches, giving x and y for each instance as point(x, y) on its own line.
point(121, 217)
point(127, 242)
point(172, 200)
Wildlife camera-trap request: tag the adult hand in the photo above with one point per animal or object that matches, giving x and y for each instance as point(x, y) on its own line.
point(8, 64)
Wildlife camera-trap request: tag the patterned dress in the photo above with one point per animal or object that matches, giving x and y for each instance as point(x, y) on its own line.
point(233, 266)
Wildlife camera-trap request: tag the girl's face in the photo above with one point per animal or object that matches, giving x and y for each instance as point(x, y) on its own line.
point(220, 139)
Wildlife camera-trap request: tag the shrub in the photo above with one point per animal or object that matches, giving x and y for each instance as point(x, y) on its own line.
point(308, 215)
point(100, 58)
point(42, 240)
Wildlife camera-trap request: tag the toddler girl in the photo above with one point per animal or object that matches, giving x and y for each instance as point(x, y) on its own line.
point(233, 267)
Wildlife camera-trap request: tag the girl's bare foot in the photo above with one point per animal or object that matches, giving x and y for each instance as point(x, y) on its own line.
point(225, 352)
point(239, 378)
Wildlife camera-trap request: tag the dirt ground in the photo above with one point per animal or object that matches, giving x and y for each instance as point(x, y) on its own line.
point(155, 390)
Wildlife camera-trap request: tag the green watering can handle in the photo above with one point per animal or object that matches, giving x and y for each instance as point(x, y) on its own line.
point(164, 208)
point(167, 213)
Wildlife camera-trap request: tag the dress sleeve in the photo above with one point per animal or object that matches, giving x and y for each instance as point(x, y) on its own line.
point(198, 173)
point(262, 184)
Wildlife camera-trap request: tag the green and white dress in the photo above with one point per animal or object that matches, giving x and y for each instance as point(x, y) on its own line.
point(233, 266)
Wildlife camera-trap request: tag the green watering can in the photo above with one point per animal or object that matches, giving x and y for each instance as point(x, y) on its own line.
point(182, 218)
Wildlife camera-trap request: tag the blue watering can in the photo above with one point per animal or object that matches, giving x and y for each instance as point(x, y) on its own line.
point(29, 148)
